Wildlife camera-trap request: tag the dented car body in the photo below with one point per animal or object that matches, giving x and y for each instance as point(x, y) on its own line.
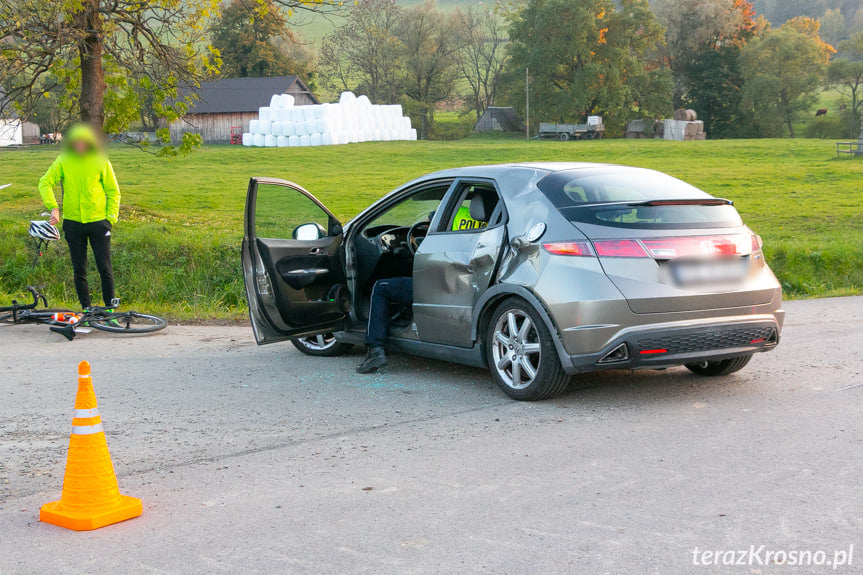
point(565, 268)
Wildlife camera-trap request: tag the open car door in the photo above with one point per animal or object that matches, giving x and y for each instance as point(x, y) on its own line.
point(293, 263)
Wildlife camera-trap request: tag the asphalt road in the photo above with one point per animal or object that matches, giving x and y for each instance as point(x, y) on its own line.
point(262, 460)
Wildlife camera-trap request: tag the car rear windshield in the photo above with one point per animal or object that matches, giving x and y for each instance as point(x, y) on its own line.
point(621, 197)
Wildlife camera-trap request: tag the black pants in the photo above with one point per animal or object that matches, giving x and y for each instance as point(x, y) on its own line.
point(99, 236)
point(399, 291)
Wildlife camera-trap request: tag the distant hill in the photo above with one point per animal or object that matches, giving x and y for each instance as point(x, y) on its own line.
point(314, 27)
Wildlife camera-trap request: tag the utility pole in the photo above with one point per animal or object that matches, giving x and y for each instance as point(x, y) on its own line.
point(527, 103)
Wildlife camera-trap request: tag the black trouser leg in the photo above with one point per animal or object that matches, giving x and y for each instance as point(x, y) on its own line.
point(76, 237)
point(99, 234)
point(399, 291)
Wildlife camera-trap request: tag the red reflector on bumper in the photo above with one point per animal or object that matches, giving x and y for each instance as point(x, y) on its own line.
point(757, 340)
point(650, 351)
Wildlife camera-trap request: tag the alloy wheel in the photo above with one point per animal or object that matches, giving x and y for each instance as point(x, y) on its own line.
point(320, 342)
point(516, 349)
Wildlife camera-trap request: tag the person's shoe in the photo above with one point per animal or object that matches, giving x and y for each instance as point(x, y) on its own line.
point(375, 359)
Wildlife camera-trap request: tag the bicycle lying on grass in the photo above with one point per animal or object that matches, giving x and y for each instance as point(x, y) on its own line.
point(67, 322)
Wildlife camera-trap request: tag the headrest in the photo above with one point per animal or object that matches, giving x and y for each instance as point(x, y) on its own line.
point(482, 205)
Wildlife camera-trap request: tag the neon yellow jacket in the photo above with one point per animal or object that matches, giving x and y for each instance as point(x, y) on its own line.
point(463, 221)
point(90, 190)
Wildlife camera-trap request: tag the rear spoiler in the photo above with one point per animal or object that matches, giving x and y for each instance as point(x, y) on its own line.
point(695, 202)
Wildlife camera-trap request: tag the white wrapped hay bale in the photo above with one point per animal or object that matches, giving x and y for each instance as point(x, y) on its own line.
point(264, 114)
point(327, 139)
point(248, 139)
point(282, 141)
point(260, 140)
point(412, 135)
point(289, 129)
point(294, 141)
point(304, 140)
point(308, 112)
point(276, 101)
point(315, 140)
point(270, 141)
point(277, 129)
point(253, 126)
point(347, 98)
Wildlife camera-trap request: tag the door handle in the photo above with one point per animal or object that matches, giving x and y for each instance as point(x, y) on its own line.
point(316, 251)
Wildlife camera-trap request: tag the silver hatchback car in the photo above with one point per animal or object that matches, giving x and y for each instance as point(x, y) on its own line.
point(537, 271)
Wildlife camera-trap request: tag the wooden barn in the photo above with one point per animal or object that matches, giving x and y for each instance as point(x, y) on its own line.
point(497, 119)
point(233, 102)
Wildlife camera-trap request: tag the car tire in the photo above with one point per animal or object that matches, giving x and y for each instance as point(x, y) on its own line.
point(322, 345)
point(721, 367)
point(513, 357)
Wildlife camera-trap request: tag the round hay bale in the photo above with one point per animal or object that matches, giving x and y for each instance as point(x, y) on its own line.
point(680, 115)
point(691, 115)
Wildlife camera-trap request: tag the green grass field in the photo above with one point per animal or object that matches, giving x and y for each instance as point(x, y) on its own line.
point(176, 248)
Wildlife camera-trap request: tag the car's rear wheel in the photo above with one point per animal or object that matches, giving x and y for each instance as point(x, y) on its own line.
point(721, 367)
point(521, 353)
point(321, 345)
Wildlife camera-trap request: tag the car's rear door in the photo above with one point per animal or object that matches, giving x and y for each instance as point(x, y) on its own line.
point(456, 263)
point(292, 263)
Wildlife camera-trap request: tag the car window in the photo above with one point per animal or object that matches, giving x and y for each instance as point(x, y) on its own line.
point(621, 197)
point(279, 210)
point(415, 208)
point(463, 219)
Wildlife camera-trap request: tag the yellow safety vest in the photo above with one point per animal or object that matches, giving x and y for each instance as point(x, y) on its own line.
point(463, 221)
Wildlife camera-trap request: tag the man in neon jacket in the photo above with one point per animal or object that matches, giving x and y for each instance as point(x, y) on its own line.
point(91, 205)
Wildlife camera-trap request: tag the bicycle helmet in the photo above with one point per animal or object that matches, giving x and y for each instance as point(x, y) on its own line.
point(43, 230)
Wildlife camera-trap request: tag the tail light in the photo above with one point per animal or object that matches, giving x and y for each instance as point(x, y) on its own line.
point(662, 248)
point(620, 249)
point(578, 248)
point(757, 243)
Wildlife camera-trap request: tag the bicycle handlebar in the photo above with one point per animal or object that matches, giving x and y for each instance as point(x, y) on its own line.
point(35, 294)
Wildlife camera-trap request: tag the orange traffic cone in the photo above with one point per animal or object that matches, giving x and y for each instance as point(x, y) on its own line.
point(91, 497)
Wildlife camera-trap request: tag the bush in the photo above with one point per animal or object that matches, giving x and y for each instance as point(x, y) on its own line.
point(826, 127)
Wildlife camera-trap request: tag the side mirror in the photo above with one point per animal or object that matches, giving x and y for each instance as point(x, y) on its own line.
point(309, 232)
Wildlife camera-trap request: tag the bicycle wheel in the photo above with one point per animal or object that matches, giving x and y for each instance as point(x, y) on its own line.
point(127, 322)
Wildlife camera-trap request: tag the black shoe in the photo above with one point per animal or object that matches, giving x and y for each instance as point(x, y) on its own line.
point(375, 359)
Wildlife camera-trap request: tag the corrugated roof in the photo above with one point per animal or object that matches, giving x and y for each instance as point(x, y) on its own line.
point(245, 94)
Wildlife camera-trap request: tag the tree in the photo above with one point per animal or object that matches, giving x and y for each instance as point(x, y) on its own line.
point(365, 53)
point(588, 57)
point(100, 54)
point(833, 27)
point(483, 55)
point(105, 56)
point(429, 45)
point(811, 28)
point(253, 40)
point(782, 71)
point(693, 28)
point(715, 91)
point(846, 71)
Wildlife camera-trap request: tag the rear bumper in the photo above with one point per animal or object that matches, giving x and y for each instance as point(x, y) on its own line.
point(666, 345)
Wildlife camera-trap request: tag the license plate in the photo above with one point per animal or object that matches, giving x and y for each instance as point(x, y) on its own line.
point(692, 273)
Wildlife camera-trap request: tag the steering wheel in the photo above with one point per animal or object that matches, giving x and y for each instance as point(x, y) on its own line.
point(414, 238)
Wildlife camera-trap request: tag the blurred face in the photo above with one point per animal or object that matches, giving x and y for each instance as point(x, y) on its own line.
point(80, 147)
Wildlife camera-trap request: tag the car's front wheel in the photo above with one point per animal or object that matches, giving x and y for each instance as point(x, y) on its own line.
point(521, 353)
point(321, 345)
point(721, 367)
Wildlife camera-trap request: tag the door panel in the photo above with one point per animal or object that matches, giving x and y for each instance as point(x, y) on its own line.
point(452, 269)
point(295, 287)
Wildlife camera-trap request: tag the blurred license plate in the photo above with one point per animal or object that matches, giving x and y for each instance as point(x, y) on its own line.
point(710, 272)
